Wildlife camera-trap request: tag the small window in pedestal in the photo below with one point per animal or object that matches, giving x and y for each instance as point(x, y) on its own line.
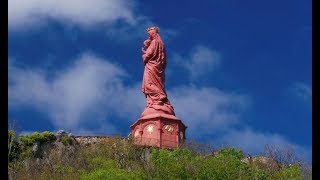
point(136, 133)
point(149, 128)
point(181, 135)
point(168, 128)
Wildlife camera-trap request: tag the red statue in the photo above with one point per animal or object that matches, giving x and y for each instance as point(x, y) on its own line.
point(158, 126)
point(154, 60)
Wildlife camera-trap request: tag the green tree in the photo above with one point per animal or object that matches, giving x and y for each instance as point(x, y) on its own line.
point(14, 149)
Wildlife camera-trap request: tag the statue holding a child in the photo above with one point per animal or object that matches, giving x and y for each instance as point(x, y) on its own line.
point(153, 84)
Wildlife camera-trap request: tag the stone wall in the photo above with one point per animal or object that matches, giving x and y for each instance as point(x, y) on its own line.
point(85, 140)
point(82, 139)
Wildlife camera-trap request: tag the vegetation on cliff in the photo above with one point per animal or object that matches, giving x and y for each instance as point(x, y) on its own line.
point(46, 156)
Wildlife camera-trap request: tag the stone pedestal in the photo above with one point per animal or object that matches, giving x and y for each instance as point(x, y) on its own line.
point(160, 130)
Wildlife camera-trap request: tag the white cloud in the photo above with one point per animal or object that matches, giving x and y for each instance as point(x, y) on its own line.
point(85, 13)
point(302, 91)
point(205, 109)
point(201, 61)
point(254, 142)
point(92, 88)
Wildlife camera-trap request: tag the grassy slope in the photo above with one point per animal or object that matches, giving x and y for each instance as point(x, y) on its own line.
point(118, 158)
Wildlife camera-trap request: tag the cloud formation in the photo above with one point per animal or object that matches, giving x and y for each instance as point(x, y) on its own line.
point(92, 88)
point(201, 61)
point(206, 109)
point(92, 91)
point(119, 18)
point(84, 13)
point(302, 91)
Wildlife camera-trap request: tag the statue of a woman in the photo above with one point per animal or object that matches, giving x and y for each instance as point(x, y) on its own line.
point(154, 60)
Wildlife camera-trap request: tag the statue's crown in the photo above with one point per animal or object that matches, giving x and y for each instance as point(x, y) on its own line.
point(152, 28)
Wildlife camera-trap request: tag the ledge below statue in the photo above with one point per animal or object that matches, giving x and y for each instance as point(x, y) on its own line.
point(160, 130)
point(155, 109)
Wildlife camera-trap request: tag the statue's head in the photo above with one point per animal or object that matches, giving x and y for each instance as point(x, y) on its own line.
point(152, 32)
point(153, 28)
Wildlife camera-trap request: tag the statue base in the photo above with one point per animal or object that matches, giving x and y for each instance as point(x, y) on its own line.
point(160, 130)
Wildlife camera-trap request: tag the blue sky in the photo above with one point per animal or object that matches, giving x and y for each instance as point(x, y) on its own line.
point(238, 73)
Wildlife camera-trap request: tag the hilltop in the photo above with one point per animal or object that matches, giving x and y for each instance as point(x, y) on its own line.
point(62, 155)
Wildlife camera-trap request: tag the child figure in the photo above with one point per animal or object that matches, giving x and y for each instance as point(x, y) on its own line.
point(146, 44)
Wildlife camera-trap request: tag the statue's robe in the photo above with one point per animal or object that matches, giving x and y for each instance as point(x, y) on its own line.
point(154, 77)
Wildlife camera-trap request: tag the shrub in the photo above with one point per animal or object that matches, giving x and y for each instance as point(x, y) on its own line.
point(26, 141)
point(118, 158)
point(47, 137)
point(230, 151)
point(292, 172)
point(107, 169)
point(185, 164)
point(14, 149)
point(173, 164)
point(66, 140)
point(44, 137)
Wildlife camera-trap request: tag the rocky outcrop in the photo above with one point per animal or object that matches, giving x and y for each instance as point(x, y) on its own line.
point(86, 140)
point(262, 161)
